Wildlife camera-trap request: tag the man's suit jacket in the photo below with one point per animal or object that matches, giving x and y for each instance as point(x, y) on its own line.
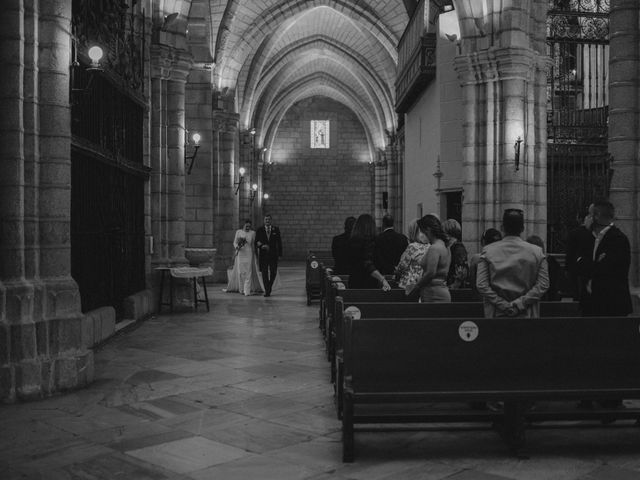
point(274, 241)
point(390, 245)
point(512, 271)
point(609, 274)
point(340, 253)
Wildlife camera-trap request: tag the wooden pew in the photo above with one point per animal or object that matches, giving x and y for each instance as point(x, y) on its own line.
point(402, 370)
point(313, 272)
point(414, 310)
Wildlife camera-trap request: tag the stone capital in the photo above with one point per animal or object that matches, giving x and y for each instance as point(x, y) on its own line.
point(170, 63)
point(225, 122)
point(499, 64)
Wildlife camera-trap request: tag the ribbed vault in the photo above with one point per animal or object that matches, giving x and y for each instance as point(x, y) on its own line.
point(270, 54)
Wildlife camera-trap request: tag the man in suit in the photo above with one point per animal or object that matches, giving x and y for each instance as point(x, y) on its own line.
point(269, 249)
point(512, 274)
point(389, 247)
point(608, 266)
point(578, 260)
point(340, 248)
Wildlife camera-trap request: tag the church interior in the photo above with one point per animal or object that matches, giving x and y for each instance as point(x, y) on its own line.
point(140, 135)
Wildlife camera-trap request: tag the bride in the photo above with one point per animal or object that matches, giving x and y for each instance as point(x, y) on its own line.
point(244, 277)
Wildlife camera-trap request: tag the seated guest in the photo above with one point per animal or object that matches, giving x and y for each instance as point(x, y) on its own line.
point(488, 237)
point(389, 247)
point(458, 276)
point(361, 246)
point(435, 263)
point(555, 271)
point(339, 247)
point(409, 270)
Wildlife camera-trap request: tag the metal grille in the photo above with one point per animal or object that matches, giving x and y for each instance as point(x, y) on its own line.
point(577, 122)
point(107, 232)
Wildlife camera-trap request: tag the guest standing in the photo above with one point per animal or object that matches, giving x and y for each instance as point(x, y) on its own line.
point(390, 246)
point(362, 269)
point(489, 236)
point(512, 274)
point(269, 247)
point(458, 276)
point(409, 270)
point(579, 259)
point(435, 263)
point(244, 277)
point(608, 279)
point(340, 246)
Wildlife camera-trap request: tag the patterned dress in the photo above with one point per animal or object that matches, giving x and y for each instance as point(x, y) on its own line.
point(409, 270)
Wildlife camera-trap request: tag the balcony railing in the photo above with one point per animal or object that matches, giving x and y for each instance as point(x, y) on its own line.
point(416, 59)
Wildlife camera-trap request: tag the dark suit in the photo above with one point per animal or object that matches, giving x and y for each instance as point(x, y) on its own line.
point(578, 262)
point(609, 275)
point(268, 258)
point(340, 253)
point(389, 247)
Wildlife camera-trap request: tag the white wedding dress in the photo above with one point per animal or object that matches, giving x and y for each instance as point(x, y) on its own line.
point(244, 277)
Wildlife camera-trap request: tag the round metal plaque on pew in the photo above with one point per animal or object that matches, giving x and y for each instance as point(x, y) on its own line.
point(353, 311)
point(468, 331)
point(314, 264)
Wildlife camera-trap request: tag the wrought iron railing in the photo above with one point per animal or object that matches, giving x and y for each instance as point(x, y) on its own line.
point(416, 59)
point(579, 165)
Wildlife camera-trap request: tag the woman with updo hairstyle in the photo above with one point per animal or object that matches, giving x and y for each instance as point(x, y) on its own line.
point(458, 276)
point(361, 247)
point(433, 283)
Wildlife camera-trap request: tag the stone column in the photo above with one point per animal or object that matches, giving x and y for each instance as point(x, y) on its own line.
point(503, 95)
point(169, 74)
point(225, 135)
point(41, 347)
point(175, 157)
point(381, 181)
point(624, 125)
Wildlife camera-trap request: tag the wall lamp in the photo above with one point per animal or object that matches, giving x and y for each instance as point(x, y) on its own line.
point(241, 172)
point(516, 149)
point(95, 54)
point(189, 160)
point(253, 192)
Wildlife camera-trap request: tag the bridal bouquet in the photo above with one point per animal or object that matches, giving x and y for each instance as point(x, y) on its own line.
point(241, 243)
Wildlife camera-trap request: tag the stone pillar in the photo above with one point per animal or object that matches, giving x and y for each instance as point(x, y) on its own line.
point(504, 98)
point(41, 347)
point(169, 74)
point(380, 185)
point(624, 124)
point(225, 135)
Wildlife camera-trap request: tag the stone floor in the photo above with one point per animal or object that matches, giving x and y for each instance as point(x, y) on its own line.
point(243, 392)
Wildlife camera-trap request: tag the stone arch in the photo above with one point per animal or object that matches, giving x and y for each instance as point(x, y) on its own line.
point(372, 95)
point(228, 66)
point(317, 84)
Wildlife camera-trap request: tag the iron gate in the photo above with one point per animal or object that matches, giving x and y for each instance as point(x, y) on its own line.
point(578, 162)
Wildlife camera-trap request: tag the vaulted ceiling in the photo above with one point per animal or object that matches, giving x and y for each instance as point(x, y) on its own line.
point(269, 54)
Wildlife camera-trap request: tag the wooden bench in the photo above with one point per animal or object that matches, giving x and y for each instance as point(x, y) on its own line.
point(400, 370)
point(315, 260)
point(415, 310)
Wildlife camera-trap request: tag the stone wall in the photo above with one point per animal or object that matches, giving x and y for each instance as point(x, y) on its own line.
point(311, 191)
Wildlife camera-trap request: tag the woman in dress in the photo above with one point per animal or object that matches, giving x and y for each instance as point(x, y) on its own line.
point(361, 246)
point(244, 277)
point(458, 276)
point(409, 270)
point(433, 284)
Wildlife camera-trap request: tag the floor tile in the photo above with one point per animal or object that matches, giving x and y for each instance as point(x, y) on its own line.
point(187, 455)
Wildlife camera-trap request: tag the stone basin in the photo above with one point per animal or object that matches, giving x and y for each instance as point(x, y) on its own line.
point(200, 256)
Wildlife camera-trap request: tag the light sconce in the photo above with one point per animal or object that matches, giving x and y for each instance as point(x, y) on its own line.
point(241, 172)
point(265, 197)
point(95, 54)
point(516, 149)
point(189, 160)
point(253, 192)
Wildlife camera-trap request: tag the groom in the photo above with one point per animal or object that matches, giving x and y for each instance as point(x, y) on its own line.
point(269, 248)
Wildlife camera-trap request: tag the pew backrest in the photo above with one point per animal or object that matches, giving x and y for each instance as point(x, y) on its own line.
point(509, 358)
